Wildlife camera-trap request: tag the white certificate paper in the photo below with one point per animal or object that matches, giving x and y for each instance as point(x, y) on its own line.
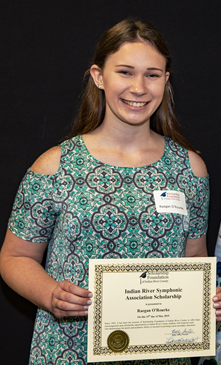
point(151, 308)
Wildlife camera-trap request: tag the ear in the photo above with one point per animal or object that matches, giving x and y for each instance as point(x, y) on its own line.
point(167, 76)
point(96, 74)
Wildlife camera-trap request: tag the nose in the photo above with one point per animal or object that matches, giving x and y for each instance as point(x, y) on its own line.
point(138, 86)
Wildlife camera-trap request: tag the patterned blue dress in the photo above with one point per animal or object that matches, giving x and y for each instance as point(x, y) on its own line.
point(89, 209)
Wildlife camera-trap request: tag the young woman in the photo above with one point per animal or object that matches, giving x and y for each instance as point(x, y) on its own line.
point(92, 196)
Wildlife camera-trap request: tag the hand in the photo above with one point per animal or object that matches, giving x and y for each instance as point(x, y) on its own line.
point(70, 300)
point(217, 303)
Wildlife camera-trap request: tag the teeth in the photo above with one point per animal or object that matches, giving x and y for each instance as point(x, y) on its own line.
point(133, 103)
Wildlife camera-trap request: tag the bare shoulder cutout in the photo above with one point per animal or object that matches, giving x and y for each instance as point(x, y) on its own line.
point(197, 165)
point(48, 162)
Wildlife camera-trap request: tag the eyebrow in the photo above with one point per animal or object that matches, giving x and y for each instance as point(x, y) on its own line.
point(124, 66)
point(149, 68)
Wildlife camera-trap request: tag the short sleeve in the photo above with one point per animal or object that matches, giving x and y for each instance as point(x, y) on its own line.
point(199, 208)
point(35, 209)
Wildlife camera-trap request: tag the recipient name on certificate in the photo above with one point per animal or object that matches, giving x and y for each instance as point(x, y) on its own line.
point(151, 308)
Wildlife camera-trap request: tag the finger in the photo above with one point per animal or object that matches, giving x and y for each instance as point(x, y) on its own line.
point(61, 314)
point(218, 315)
point(216, 301)
point(68, 306)
point(74, 289)
point(61, 308)
point(66, 297)
point(81, 292)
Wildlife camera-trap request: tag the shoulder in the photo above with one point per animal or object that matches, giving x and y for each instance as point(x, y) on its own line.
point(48, 162)
point(197, 164)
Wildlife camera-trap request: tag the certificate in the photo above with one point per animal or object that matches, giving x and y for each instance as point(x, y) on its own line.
point(151, 308)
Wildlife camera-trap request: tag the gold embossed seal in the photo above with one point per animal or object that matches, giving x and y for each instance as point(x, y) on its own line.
point(118, 341)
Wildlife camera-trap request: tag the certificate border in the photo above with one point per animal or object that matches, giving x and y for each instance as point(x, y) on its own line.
point(153, 268)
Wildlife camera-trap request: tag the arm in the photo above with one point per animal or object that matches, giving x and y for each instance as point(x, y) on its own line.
point(194, 247)
point(21, 268)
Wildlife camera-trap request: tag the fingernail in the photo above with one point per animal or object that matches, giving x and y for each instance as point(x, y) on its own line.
point(85, 307)
point(86, 312)
point(216, 305)
point(90, 295)
point(218, 312)
point(215, 299)
point(89, 302)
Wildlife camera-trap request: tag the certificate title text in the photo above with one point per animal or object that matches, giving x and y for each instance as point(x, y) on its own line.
point(149, 294)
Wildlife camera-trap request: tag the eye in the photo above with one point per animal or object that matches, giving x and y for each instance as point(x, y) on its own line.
point(124, 72)
point(153, 75)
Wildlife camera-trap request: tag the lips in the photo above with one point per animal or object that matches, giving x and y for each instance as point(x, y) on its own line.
point(135, 104)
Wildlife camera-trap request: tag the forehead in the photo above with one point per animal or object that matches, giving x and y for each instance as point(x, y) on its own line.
point(131, 52)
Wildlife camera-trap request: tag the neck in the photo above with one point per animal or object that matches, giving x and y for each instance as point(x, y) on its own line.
point(127, 146)
point(124, 136)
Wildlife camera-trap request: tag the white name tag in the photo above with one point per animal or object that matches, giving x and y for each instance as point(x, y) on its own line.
point(170, 201)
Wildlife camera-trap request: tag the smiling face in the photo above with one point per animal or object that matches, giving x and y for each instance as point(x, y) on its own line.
point(133, 79)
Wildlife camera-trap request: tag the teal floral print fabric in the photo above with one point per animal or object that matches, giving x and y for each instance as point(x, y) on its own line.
point(89, 209)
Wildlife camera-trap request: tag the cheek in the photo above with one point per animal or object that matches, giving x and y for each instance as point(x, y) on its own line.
point(114, 88)
point(158, 90)
point(109, 86)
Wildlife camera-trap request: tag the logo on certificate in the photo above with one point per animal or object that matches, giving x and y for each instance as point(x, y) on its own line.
point(151, 277)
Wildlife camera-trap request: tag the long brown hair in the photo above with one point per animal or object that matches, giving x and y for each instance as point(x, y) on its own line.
point(92, 109)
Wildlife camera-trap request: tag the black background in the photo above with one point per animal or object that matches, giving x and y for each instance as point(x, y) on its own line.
point(46, 46)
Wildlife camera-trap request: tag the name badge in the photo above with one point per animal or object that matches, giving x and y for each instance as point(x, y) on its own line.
point(170, 201)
